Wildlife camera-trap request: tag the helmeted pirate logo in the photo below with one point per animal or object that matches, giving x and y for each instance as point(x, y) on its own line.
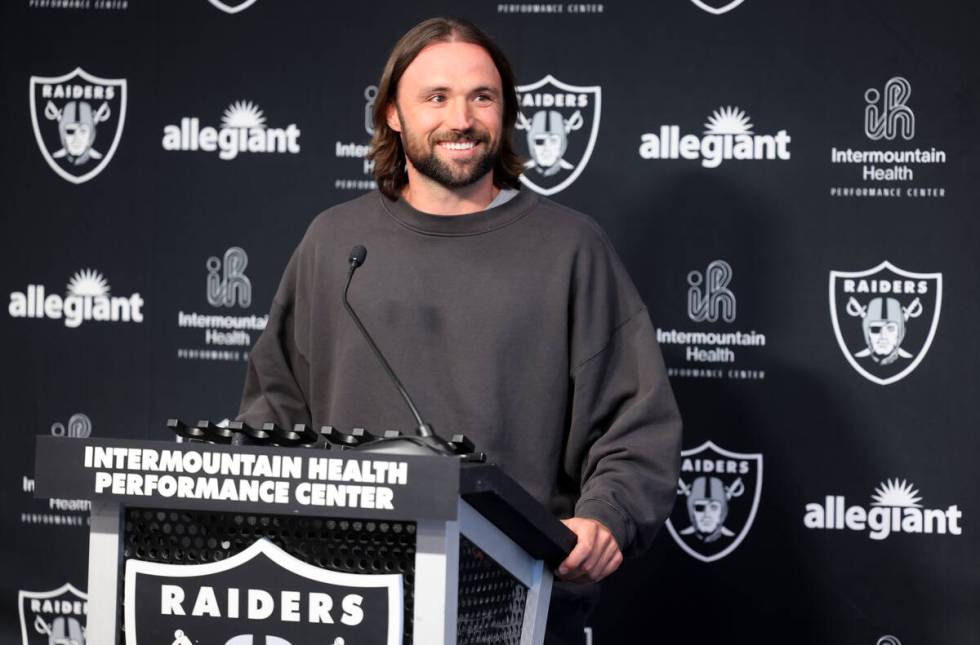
point(718, 496)
point(557, 125)
point(885, 319)
point(55, 617)
point(261, 596)
point(78, 121)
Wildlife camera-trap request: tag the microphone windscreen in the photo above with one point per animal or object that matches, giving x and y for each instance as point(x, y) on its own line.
point(357, 255)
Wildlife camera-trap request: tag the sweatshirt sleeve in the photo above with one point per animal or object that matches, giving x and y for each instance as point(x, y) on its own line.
point(278, 373)
point(624, 404)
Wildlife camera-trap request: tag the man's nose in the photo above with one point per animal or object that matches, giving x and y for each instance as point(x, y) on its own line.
point(460, 116)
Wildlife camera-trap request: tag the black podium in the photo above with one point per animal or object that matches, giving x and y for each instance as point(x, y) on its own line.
point(199, 544)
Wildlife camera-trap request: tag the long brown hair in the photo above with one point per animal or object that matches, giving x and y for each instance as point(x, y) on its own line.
point(386, 145)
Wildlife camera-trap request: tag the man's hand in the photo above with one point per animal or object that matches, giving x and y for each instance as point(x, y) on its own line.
point(595, 555)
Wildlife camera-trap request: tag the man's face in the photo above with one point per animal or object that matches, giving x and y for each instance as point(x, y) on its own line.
point(884, 336)
point(449, 112)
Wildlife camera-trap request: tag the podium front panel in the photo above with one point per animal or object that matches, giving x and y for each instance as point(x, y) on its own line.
point(346, 545)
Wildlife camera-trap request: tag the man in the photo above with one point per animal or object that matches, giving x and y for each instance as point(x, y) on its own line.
point(509, 317)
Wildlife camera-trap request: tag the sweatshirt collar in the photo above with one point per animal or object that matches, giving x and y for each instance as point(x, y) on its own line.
point(460, 225)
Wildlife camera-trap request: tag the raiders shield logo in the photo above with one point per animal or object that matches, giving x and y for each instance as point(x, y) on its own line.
point(78, 121)
point(717, 8)
point(261, 596)
point(885, 319)
point(56, 616)
point(717, 498)
point(557, 127)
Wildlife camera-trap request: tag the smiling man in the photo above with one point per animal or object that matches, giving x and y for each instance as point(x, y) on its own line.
point(509, 316)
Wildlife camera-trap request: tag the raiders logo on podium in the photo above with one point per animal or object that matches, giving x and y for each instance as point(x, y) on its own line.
point(261, 596)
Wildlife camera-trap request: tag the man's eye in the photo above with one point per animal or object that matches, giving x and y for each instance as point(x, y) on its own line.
point(437, 98)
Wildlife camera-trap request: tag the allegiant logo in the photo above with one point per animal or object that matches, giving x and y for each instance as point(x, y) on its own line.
point(87, 298)
point(728, 135)
point(242, 130)
point(895, 509)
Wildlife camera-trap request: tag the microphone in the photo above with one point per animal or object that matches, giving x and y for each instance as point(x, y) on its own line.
point(357, 256)
point(426, 436)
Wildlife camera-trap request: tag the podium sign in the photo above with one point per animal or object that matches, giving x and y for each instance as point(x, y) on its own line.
point(248, 478)
point(258, 596)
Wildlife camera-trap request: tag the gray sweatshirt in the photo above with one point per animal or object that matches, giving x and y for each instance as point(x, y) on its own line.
point(517, 326)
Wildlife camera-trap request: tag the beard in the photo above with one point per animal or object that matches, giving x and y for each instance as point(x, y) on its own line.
point(450, 173)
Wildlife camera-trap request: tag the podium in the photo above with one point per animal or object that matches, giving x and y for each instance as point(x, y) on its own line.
point(200, 544)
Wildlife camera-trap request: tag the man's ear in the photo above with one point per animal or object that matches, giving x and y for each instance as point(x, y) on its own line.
point(391, 116)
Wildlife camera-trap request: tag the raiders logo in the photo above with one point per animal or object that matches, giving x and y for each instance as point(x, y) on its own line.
point(717, 498)
point(885, 319)
point(261, 596)
point(56, 616)
point(557, 125)
point(78, 121)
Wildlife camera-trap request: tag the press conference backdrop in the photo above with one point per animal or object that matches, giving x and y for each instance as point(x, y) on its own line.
point(792, 186)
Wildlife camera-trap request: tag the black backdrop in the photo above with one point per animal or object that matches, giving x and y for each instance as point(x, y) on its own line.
point(747, 246)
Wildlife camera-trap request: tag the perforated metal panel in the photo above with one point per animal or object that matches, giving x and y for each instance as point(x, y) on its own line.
point(491, 601)
point(351, 546)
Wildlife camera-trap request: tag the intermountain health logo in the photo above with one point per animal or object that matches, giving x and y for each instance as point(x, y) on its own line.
point(895, 508)
point(718, 496)
point(227, 334)
point(885, 319)
point(889, 171)
point(558, 124)
point(78, 120)
point(87, 298)
point(711, 350)
point(55, 511)
point(227, 283)
point(709, 298)
point(261, 596)
point(728, 135)
point(886, 115)
point(243, 130)
point(79, 426)
point(53, 617)
point(357, 151)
